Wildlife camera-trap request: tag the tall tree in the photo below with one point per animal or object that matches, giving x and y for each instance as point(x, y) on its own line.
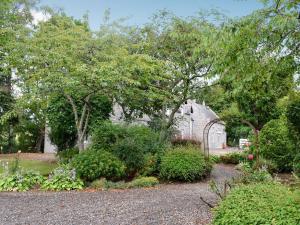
point(66, 58)
point(185, 47)
point(15, 17)
point(258, 62)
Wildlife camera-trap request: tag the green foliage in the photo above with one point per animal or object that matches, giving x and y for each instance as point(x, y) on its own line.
point(259, 204)
point(293, 112)
point(67, 155)
point(151, 165)
point(262, 163)
point(92, 164)
point(136, 183)
point(250, 175)
point(215, 159)
point(296, 165)
point(60, 118)
point(276, 144)
point(184, 164)
point(63, 178)
point(233, 158)
point(129, 143)
point(186, 142)
point(143, 182)
point(20, 181)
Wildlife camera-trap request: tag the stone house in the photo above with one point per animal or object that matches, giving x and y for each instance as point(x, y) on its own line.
point(191, 119)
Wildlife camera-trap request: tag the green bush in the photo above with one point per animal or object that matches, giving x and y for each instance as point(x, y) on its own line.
point(276, 144)
point(185, 142)
point(65, 156)
point(129, 143)
point(293, 112)
point(92, 164)
point(214, 159)
point(296, 165)
point(63, 178)
point(259, 204)
point(262, 163)
point(143, 182)
point(150, 167)
point(184, 164)
point(250, 176)
point(20, 181)
point(233, 158)
point(104, 184)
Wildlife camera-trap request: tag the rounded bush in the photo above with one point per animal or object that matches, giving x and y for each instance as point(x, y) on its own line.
point(259, 204)
point(92, 164)
point(131, 144)
point(276, 144)
point(233, 158)
point(182, 164)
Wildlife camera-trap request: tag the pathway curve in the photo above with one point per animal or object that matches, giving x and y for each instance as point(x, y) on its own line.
point(167, 204)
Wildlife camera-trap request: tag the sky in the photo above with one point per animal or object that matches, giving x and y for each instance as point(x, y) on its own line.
point(139, 11)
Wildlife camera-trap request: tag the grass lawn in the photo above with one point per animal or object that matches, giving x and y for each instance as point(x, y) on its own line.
point(43, 167)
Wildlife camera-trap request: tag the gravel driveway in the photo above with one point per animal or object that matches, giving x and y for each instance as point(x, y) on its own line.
point(166, 204)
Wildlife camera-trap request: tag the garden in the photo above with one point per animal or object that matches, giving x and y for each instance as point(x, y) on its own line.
point(121, 156)
point(110, 102)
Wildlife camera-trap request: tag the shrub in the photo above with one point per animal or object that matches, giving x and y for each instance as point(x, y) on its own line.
point(143, 182)
point(131, 144)
point(150, 167)
point(259, 204)
point(104, 184)
point(67, 155)
point(262, 163)
point(20, 181)
point(214, 159)
point(182, 164)
point(233, 157)
point(293, 112)
point(186, 142)
point(92, 164)
point(63, 178)
point(276, 145)
point(296, 165)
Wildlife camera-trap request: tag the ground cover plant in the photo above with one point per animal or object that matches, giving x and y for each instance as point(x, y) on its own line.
point(20, 181)
point(184, 164)
point(63, 178)
point(139, 182)
point(264, 203)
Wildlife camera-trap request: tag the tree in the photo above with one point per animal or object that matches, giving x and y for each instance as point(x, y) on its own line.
point(184, 46)
point(258, 65)
point(15, 17)
point(66, 58)
point(60, 118)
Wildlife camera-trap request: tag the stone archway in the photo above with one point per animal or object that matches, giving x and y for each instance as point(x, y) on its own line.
point(206, 133)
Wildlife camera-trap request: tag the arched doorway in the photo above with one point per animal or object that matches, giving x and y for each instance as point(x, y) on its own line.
point(206, 133)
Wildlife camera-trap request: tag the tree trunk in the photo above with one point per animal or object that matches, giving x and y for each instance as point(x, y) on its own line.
point(82, 122)
point(80, 143)
point(38, 146)
point(256, 137)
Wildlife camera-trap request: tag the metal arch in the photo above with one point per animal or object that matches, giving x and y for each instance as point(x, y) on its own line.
point(206, 132)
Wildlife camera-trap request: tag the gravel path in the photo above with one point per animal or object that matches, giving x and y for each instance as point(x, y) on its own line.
point(167, 204)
